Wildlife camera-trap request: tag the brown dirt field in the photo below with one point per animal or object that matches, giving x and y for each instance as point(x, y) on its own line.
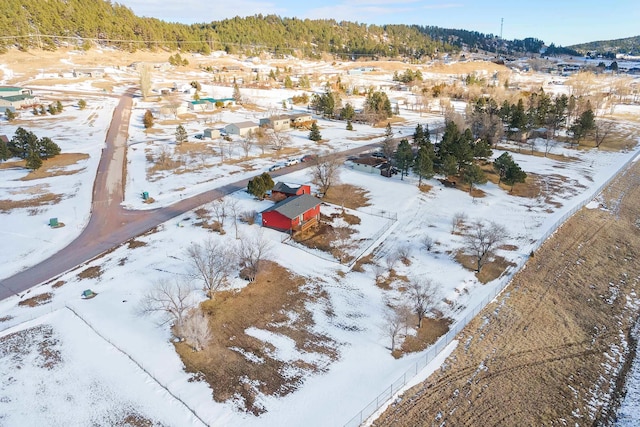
point(39, 200)
point(54, 166)
point(347, 195)
point(36, 300)
point(542, 354)
point(268, 303)
point(90, 272)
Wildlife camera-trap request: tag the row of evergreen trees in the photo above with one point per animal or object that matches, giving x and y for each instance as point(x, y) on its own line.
point(26, 145)
point(457, 154)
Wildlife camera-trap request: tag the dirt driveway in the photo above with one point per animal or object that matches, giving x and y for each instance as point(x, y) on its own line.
point(547, 351)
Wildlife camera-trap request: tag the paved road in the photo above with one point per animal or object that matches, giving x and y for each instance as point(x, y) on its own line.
point(110, 224)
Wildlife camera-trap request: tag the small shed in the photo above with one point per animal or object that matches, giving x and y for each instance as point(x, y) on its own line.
point(292, 213)
point(369, 165)
point(283, 190)
point(211, 133)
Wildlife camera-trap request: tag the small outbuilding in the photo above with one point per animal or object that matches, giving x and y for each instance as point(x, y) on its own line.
point(292, 213)
point(241, 128)
point(283, 190)
point(211, 133)
point(277, 123)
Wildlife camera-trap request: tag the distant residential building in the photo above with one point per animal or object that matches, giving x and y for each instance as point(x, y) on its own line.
point(241, 128)
point(17, 102)
point(282, 122)
point(208, 104)
point(89, 72)
point(13, 90)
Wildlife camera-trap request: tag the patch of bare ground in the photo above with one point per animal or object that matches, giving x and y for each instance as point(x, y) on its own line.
point(90, 273)
point(525, 151)
point(347, 195)
point(19, 345)
point(56, 166)
point(240, 367)
point(327, 238)
point(490, 271)
point(136, 420)
point(58, 284)
point(425, 188)
point(5, 318)
point(551, 349)
point(431, 330)
point(34, 202)
point(36, 300)
point(133, 243)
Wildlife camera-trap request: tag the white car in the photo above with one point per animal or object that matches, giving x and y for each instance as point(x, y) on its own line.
point(291, 162)
point(276, 167)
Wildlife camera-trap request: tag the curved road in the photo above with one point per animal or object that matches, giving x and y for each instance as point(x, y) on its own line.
point(110, 224)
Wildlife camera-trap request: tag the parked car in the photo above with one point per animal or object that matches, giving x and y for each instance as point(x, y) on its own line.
point(379, 155)
point(199, 136)
point(309, 158)
point(276, 167)
point(291, 162)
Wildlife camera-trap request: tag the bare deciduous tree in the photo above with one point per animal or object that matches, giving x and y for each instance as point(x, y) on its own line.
point(341, 239)
point(423, 295)
point(247, 143)
point(603, 130)
point(145, 81)
point(457, 222)
point(394, 322)
point(195, 329)
point(278, 139)
point(220, 210)
point(427, 243)
point(326, 172)
point(251, 253)
point(262, 139)
point(211, 263)
point(171, 298)
point(391, 260)
point(483, 239)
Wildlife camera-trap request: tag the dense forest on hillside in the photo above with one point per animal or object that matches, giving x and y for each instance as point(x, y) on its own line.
point(629, 46)
point(29, 24)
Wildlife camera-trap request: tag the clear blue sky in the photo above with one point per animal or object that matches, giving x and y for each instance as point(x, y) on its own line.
point(564, 22)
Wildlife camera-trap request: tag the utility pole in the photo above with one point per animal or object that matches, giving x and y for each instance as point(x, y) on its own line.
point(501, 26)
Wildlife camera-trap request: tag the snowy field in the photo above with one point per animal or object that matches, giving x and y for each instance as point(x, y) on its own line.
point(69, 353)
point(365, 366)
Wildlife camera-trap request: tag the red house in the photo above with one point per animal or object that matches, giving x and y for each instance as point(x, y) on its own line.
point(292, 213)
point(281, 190)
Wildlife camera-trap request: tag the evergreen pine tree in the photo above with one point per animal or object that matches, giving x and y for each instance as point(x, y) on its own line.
point(349, 125)
point(314, 134)
point(181, 134)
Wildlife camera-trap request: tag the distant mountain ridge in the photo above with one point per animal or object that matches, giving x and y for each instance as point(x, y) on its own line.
point(29, 24)
point(627, 46)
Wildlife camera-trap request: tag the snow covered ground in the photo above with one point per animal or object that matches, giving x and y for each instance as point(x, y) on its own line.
point(99, 354)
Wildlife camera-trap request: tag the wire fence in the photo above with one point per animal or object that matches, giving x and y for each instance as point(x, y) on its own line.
point(391, 216)
point(446, 339)
point(148, 371)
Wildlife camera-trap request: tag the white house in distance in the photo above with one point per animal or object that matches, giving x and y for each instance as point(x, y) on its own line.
point(241, 128)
